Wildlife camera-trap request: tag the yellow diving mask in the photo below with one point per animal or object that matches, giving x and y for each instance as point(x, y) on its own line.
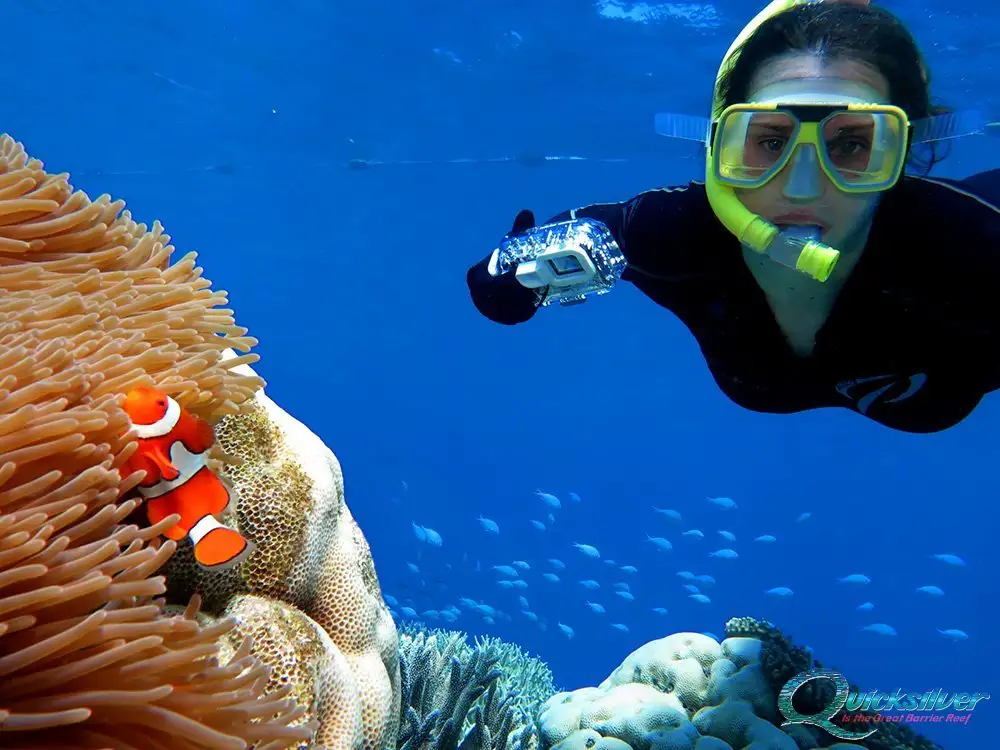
point(860, 147)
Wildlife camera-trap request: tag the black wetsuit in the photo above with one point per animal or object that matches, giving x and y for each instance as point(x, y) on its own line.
point(912, 341)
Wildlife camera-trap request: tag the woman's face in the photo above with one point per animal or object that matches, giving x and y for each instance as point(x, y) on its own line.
point(801, 193)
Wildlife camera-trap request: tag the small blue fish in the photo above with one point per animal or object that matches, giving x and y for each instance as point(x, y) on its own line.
point(660, 543)
point(728, 536)
point(574, 497)
point(549, 499)
point(766, 538)
point(954, 635)
point(505, 570)
point(704, 579)
point(955, 560)
point(595, 607)
point(430, 614)
point(419, 532)
point(932, 590)
point(673, 515)
point(449, 615)
point(686, 575)
point(408, 611)
point(486, 609)
point(505, 584)
point(413, 568)
point(567, 630)
point(557, 564)
point(621, 586)
point(691, 588)
point(855, 578)
point(724, 554)
point(590, 585)
point(537, 524)
point(619, 626)
point(550, 577)
point(660, 610)
point(803, 517)
point(610, 563)
point(866, 607)
point(726, 503)
point(779, 591)
point(530, 615)
point(489, 620)
point(700, 598)
point(696, 533)
point(626, 595)
point(521, 565)
point(588, 550)
point(523, 601)
point(432, 537)
point(390, 600)
point(551, 518)
point(520, 583)
point(489, 526)
point(880, 628)
point(630, 569)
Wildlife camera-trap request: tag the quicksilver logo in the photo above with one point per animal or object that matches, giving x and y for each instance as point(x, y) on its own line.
point(864, 397)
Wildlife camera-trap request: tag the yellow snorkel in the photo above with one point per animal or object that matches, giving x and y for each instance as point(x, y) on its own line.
point(791, 249)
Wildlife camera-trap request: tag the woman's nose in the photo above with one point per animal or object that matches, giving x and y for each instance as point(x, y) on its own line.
point(805, 179)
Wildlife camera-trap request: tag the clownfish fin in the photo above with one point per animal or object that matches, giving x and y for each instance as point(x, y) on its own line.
point(217, 547)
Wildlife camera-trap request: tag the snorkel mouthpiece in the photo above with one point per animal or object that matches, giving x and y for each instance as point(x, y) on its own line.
point(799, 248)
point(796, 247)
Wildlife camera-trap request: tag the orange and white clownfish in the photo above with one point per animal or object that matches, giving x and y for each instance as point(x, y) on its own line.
point(173, 448)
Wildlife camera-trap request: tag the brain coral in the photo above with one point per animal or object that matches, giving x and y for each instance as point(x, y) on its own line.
point(311, 580)
point(91, 306)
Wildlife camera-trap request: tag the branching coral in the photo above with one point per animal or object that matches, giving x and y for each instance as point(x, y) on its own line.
point(459, 696)
point(90, 307)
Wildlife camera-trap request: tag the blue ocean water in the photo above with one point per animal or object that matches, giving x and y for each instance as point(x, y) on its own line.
point(233, 123)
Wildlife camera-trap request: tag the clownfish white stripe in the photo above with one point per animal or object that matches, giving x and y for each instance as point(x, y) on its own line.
point(161, 426)
point(205, 525)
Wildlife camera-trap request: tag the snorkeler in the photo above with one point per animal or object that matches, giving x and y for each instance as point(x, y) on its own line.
point(857, 286)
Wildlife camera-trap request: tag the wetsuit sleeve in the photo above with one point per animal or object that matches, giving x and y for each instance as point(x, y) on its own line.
point(638, 226)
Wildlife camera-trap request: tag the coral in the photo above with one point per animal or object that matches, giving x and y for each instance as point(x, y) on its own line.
point(90, 307)
point(781, 660)
point(682, 691)
point(311, 577)
point(480, 697)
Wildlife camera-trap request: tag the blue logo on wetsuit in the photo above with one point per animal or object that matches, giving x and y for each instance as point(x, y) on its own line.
point(864, 397)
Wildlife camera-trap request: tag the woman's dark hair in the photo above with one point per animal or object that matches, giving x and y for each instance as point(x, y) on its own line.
point(843, 31)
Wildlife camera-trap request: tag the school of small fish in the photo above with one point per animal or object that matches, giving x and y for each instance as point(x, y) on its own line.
point(597, 588)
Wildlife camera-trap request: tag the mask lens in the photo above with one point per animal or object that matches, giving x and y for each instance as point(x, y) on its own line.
point(752, 146)
point(864, 149)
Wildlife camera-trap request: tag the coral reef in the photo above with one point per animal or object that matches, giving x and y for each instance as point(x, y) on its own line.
point(781, 660)
point(89, 657)
point(672, 693)
point(689, 691)
point(308, 594)
point(479, 697)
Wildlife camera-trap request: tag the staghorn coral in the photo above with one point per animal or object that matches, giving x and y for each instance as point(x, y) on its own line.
point(481, 697)
point(312, 574)
point(781, 660)
point(90, 307)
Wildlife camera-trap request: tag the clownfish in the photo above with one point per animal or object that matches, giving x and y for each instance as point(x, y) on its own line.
point(173, 450)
